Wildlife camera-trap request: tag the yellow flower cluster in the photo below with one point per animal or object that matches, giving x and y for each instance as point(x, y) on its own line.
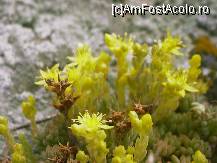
point(29, 111)
point(91, 128)
point(5, 132)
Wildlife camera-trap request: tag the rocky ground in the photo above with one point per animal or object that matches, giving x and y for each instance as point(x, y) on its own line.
point(35, 34)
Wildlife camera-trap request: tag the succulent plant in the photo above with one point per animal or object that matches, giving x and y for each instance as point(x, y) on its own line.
point(121, 106)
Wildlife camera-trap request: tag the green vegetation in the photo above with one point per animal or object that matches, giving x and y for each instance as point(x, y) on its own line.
point(122, 106)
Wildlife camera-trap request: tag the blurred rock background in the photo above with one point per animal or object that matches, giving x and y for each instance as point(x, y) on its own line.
point(35, 34)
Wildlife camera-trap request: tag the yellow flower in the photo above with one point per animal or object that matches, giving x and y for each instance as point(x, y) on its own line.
point(102, 63)
point(121, 156)
point(3, 126)
point(195, 61)
point(177, 83)
point(142, 126)
point(82, 157)
point(18, 155)
point(120, 46)
point(89, 123)
point(194, 69)
point(52, 74)
point(199, 157)
point(171, 45)
point(28, 108)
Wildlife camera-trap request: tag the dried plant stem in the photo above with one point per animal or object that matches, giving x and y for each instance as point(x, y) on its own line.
point(26, 125)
